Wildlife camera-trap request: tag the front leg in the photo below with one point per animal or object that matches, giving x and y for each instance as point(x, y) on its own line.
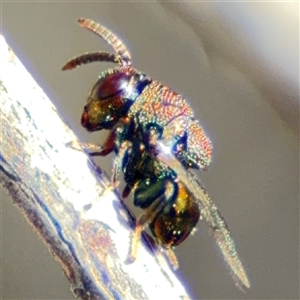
point(96, 150)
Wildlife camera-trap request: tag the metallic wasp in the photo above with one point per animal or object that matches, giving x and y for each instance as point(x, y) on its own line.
point(157, 140)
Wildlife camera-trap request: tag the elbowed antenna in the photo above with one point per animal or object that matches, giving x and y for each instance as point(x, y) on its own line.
point(109, 37)
point(91, 57)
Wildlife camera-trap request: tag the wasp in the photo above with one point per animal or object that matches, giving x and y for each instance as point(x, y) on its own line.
point(157, 142)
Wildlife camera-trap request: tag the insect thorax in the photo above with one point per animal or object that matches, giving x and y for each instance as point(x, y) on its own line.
point(161, 109)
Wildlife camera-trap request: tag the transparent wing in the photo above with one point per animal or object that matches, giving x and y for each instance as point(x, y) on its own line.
point(209, 215)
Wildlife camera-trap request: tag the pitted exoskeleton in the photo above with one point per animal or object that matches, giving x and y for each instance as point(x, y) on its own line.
point(157, 141)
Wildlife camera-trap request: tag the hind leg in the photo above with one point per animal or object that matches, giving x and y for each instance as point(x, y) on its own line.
point(152, 198)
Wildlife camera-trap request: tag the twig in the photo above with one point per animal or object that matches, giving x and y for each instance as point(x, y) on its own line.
point(67, 199)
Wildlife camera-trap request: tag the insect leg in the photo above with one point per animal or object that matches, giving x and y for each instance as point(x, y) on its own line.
point(126, 191)
point(119, 160)
point(166, 191)
point(172, 258)
point(93, 149)
point(108, 145)
point(141, 223)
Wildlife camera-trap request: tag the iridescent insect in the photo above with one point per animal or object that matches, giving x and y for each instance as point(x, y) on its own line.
point(157, 140)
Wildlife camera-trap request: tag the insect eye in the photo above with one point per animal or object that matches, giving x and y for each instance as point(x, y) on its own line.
point(110, 86)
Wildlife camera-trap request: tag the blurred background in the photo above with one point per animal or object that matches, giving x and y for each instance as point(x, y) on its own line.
point(237, 64)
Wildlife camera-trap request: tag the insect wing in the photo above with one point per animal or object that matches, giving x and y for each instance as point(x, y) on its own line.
point(209, 215)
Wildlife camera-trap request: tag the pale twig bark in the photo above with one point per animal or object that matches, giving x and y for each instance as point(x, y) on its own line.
point(67, 200)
